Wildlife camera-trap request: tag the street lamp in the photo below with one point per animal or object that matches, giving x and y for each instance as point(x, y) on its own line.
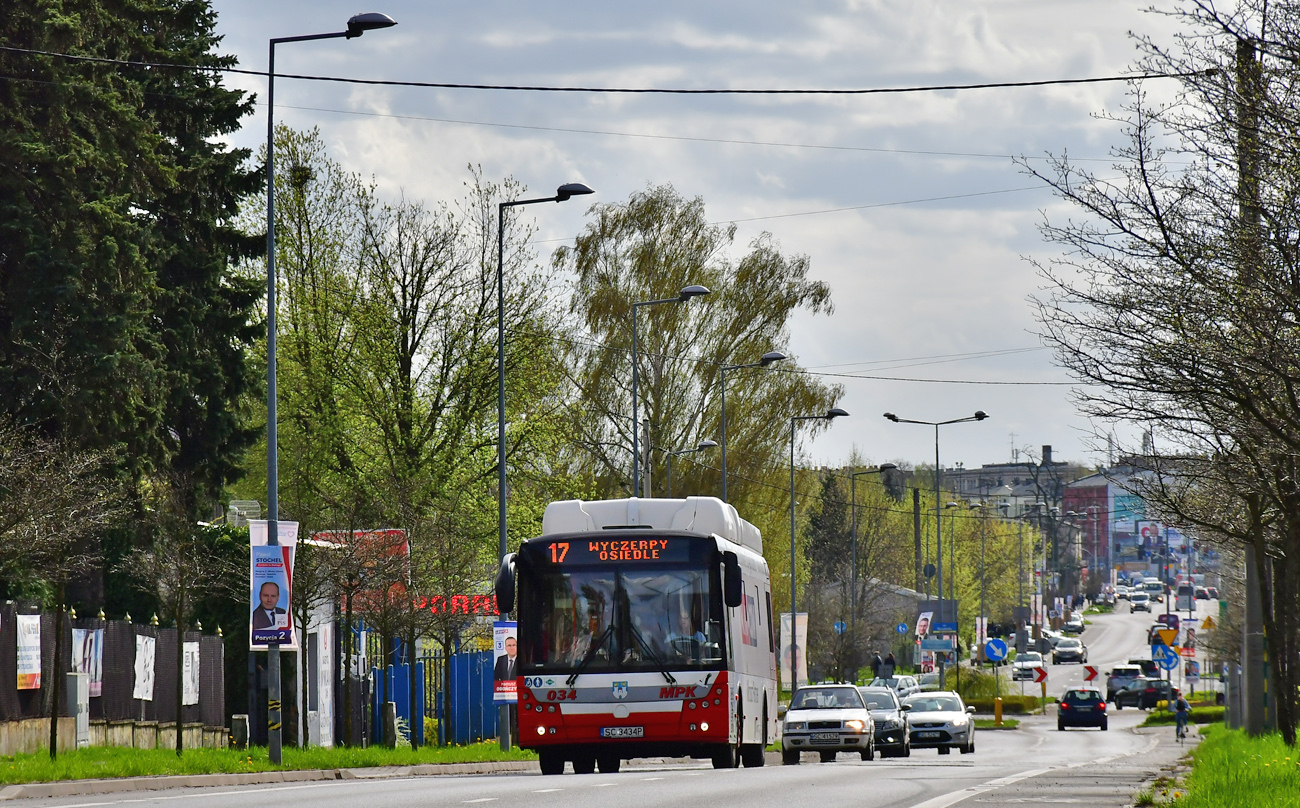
point(979, 415)
point(831, 414)
point(765, 360)
point(562, 194)
point(853, 533)
point(686, 294)
point(357, 25)
point(704, 444)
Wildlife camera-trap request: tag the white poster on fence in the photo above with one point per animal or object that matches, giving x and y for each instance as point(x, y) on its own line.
point(88, 657)
point(144, 651)
point(801, 645)
point(29, 651)
point(190, 695)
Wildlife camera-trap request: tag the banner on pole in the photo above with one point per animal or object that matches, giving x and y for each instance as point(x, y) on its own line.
point(801, 642)
point(271, 586)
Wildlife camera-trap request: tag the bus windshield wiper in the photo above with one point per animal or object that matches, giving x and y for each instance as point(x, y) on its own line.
point(650, 652)
point(591, 654)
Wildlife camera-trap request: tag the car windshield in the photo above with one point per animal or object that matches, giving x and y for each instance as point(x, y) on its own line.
point(879, 699)
point(935, 704)
point(1030, 656)
point(1069, 644)
point(891, 682)
point(1083, 696)
point(827, 698)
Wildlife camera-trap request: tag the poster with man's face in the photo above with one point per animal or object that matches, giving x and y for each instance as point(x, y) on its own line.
point(505, 661)
point(270, 585)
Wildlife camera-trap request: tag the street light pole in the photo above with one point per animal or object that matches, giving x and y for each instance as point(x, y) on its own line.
point(831, 414)
point(682, 296)
point(979, 415)
point(853, 534)
point(704, 444)
point(357, 25)
point(767, 359)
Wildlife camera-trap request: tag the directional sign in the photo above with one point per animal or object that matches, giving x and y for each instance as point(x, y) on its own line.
point(1090, 673)
point(1168, 636)
point(1040, 674)
point(1164, 656)
point(901, 628)
point(995, 650)
point(841, 627)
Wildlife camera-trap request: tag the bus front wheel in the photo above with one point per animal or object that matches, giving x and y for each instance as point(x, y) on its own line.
point(724, 757)
point(552, 761)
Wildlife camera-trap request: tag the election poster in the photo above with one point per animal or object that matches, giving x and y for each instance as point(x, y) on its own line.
point(190, 673)
point(923, 623)
point(270, 585)
point(29, 651)
point(505, 661)
point(88, 657)
point(798, 651)
point(144, 658)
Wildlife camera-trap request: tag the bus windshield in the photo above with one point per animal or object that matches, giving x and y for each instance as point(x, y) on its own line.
point(616, 619)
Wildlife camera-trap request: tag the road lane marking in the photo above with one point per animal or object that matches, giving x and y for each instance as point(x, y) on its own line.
point(602, 785)
point(650, 779)
point(480, 799)
point(547, 790)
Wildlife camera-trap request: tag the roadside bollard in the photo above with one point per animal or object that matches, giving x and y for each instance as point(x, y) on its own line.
point(997, 711)
point(390, 724)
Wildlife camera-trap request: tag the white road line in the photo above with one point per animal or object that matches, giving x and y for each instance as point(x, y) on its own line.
point(480, 799)
point(602, 785)
point(203, 793)
point(650, 779)
point(547, 790)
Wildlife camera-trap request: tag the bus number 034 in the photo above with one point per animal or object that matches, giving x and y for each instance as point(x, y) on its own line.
point(562, 695)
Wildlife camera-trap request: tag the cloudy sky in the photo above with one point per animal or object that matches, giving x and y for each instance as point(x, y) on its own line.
point(909, 206)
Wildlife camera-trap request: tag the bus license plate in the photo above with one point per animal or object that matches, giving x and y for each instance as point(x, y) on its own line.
point(622, 732)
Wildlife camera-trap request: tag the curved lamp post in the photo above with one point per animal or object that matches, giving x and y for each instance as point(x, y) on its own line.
point(686, 294)
point(767, 359)
point(831, 414)
point(703, 445)
point(357, 25)
point(979, 415)
point(562, 194)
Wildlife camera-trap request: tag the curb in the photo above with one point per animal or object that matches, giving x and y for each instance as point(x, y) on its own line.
point(68, 788)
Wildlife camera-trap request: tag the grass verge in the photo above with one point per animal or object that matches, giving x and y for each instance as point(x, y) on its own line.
point(112, 761)
point(1231, 769)
point(1208, 714)
point(988, 723)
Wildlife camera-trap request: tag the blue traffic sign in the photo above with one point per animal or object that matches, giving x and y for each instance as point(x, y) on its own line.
point(1164, 656)
point(995, 650)
point(943, 627)
point(841, 627)
point(901, 628)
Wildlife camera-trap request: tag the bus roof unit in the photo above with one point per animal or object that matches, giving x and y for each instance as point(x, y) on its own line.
point(706, 515)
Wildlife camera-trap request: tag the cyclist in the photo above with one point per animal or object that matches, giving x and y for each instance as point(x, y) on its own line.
point(1181, 710)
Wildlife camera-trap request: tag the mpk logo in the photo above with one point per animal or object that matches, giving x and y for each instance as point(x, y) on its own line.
point(620, 690)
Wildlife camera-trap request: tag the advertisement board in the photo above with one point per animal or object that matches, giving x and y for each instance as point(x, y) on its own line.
point(801, 642)
point(505, 647)
point(88, 657)
point(29, 651)
point(270, 586)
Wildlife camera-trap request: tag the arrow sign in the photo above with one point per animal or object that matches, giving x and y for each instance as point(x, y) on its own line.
point(1164, 656)
point(901, 628)
point(995, 650)
point(1090, 673)
point(1040, 674)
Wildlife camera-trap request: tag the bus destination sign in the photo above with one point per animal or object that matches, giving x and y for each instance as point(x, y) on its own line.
point(590, 551)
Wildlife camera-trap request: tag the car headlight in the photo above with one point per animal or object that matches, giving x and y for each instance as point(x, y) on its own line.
point(959, 721)
point(894, 723)
point(796, 725)
point(854, 725)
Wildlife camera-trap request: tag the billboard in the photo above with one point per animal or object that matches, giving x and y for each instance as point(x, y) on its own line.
point(801, 637)
point(505, 664)
point(29, 651)
point(270, 586)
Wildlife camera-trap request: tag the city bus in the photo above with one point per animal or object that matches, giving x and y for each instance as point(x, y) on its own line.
point(645, 630)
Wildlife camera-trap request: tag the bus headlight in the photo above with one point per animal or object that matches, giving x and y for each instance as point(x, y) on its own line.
point(541, 730)
point(704, 727)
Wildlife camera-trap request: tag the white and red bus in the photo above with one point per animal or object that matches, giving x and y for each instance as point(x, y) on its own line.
point(645, 629)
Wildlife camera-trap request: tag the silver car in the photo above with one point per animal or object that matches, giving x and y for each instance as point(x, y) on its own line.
point(904, 686)
point(827, 719)
point(941, 720)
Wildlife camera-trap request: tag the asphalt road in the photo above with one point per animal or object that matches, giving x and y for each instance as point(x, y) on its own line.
point(1032, 764)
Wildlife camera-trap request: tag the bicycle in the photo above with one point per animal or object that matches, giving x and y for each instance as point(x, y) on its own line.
point(1180, 726)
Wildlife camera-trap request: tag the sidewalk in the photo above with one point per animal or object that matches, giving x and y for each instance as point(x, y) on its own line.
point(68, 788)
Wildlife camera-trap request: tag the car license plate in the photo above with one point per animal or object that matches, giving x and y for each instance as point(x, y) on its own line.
point(622, 732)
point(825, 736)
point(927, 734)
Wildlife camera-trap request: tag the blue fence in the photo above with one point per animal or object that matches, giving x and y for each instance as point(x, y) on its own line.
point(394, 684)
point(474, 716)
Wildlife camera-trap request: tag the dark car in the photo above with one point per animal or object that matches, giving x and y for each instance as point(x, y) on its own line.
point(1144, 694)
point(1202, 593)
point(1069, 650)
point(893, 731)
point(1081, 707)
point(1214, 592)
point(1169, 620)
point(1149, 667)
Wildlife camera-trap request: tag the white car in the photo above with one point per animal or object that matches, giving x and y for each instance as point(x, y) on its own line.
point(941, 720)
point(1139, 602)
point(904, 686)
point(827, 719)
point(1025, 665)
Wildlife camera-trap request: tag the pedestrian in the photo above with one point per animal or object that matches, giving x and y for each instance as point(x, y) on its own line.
point(875, 666)
point(887, 667)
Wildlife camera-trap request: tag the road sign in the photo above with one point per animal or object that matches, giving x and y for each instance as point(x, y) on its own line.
point(841, 627)
point(943, 626)
point(937, 644)
point(1040, 675)
point(1168, 636)
point(901, 628)
point(1207, 623)
point(1089, 673)
point(1164, 656)
point(995, 650)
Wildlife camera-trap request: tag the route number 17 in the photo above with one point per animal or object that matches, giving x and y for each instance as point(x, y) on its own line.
point(558, 551)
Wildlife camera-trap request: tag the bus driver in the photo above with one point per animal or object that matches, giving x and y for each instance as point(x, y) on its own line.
point(685, 637)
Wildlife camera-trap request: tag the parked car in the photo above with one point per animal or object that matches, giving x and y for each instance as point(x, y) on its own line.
point(1139, 602)
point(1069, 650)
point(1120, 677)
point(827, 719)
point(893, 731)
point(1025, 665)
point(1081, 707)
point(904, 686)
point(941, 720)
point(1144, 693)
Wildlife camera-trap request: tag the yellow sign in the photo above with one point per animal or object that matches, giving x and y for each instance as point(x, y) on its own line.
point(1168, 636)
point(1207, 623)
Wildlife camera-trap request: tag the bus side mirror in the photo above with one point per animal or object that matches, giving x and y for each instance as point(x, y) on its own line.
point(732, 591)
point(505, 584)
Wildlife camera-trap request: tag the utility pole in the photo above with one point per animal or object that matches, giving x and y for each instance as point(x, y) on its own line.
point(916, 533)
